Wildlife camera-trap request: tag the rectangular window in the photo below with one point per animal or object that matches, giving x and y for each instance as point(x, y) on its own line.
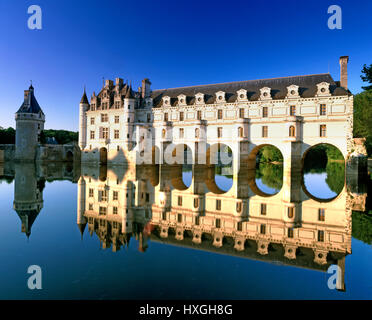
point(264, 131)
point(115, 195)
point(181, 116)
point(102, 211)
point(93, 107)
point(147, 197)
point(290, 232)
point(197, 221)
point(199, 115)
point(218, 223)
point(92, 120)
point(117, 104)
point(115, 210)
point(180, 201)
point(116, 134)
point(323, 130)
point(263, 209)
point(320, 235)
point(241, 113)
point(179, 218)
point(91, 193)
point(239, 226)
point(219, 114)
point(292, 110)
point(148, 117)
point(165, 116)
point(219, 132)
point(321, 214)
point(323, 110)
point(181, 133)
point(218, 204)
point(117, 119)
point(92, 135)
point(102, 195)
point(90, 206)
point(263, 229)
point(104, 133)
point(104, 117)
point(164, 215)
point(264, 112)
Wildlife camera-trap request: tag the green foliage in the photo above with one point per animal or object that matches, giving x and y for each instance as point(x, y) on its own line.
point(269, 154)
point(7, 136)
point(335, 176)
point(367, 77)
point(362, 226)
point(270, 174)
point(363, 114)
point(62, 136)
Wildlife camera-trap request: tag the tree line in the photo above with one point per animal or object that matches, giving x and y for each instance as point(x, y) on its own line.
point(363, 110)
point(7, 136)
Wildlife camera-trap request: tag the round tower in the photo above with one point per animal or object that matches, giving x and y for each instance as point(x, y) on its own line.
point(83, 107)
point(129, 105)
point(30, 121)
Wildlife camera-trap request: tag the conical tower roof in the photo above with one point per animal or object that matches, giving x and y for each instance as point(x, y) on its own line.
point(30, 104)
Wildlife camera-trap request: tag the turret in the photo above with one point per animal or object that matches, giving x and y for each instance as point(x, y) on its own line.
point(28, 195)
point(81, 219)
point(83, 107)
point(129, 105)
point(30, 121)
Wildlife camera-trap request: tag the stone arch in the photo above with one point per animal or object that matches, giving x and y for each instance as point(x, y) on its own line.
point(305, 189)
point(252, 170)
point(177, 178)
point(103, 155)
point(182, 154)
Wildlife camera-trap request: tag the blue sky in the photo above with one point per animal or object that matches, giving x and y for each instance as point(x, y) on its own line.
point(174, 43)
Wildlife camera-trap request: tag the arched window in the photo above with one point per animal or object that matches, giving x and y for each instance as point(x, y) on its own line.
point(196, 133)
point(240, 132)
point(196, 202)
point(163, 133)
point(290, 212)
point(238, 207)
point(292, 131)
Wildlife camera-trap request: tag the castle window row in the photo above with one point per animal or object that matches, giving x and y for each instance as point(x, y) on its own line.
point(264, 113)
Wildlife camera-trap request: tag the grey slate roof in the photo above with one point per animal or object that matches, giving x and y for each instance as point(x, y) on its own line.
point(84, 98)
point(307, 88)
point(30, 104)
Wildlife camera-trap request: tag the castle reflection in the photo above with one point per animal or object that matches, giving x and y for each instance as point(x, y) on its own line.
point(153, 202)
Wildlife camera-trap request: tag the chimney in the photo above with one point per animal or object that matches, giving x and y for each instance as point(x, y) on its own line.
point(343, 71)
point(119, 82)
point(109, 84)
point(146, 88)
point(27, 92)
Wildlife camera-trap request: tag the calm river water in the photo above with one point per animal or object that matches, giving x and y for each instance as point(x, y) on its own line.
point(183, 233)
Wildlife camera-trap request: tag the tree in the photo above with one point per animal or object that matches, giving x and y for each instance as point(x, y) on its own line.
point(363, 117)
point(367, 77)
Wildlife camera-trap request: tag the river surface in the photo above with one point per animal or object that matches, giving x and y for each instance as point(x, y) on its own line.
point(64, 220)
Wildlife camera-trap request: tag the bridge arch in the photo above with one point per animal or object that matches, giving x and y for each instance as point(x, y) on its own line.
point(270, 175)
point(319, 162)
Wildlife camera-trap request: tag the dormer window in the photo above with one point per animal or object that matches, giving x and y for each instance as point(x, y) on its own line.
point(292, 91)
point(323, 89)
point(166, 101)
point(199, 98)
point(182, 99)
point(265, 93)
point(242, 95)
point(220, 96)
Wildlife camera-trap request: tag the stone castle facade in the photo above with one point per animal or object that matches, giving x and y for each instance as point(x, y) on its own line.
point(120, 124)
